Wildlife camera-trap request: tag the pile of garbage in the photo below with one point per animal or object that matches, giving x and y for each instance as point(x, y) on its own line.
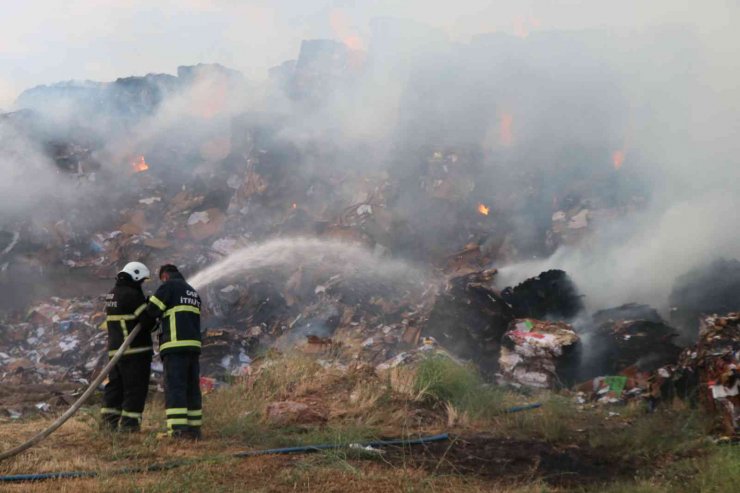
point(706, 372)
point(717, 360)
point(385, 325)
point(629, 336)
point(59, 341)
point(550, 294)
point(55, 348)
point(194, 191)
point(607, 390)
point(55, 341)
point(49, 353)
point(225, 353)
point(538, 354)
point(628, 353)
point(199, 185)
point(469, 318)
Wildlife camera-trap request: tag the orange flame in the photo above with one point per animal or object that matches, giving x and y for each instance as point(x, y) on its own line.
point(618, 159)
point(140, 165)
point(482, 209)
point(523, 26)
point(353, 42)
point(343, 29)
point(506, 134)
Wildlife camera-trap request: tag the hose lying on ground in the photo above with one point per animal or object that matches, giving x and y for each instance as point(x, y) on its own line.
point(19, 478)
point(525, 407)
point(331, 446)
point(78, 404)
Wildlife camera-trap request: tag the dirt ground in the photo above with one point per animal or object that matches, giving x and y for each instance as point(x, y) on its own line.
point(496, 458)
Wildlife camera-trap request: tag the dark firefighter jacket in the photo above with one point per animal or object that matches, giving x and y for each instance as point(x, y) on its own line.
point(123, 306)
point(178, 305)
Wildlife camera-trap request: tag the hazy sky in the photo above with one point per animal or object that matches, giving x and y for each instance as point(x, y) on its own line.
point(44, 41)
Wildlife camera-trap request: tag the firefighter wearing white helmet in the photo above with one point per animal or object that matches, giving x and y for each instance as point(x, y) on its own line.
point(128, 382)
point(136, 270)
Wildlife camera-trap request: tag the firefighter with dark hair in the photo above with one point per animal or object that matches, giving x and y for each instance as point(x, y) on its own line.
point(128, 382)
point(177, 305)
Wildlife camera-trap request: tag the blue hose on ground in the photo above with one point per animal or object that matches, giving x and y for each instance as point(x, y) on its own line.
point(525, 407)
point(332, 446)
point(19, 478)
point(23, 478)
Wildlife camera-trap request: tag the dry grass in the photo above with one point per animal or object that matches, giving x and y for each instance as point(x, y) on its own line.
point(360, 405)
point(354, 402)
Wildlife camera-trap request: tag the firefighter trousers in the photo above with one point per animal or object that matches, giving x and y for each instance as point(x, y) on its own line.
point(125, 393)
point(182, 393)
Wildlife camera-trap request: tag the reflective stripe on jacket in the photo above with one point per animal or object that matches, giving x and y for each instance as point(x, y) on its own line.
point(178, 304)
point(123, 306)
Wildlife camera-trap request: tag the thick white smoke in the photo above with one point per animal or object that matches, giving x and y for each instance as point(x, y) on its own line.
point(573, 85)
point(29, 177)
point(683, 104)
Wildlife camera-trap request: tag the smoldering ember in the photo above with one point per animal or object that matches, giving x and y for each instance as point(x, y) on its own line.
point(455, 218)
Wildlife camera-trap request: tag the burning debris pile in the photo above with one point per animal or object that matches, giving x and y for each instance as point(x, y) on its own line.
point(551, 294)
point(469, 318)
point(631, 336)
point(656, 370)
point(394, 323)
point(629, 351)
point(196, 186)
point(322, 314)
point(188, 184)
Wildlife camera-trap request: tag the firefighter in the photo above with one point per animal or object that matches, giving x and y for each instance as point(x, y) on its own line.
point(177, 305)
point(128, 382)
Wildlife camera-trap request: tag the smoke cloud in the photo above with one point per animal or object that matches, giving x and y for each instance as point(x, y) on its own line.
point(607, 104)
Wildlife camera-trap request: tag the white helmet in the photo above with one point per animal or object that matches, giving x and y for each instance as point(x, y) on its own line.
point(136, 270)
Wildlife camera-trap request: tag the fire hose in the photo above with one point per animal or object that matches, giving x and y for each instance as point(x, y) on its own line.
point(78, 404)
point(303, 449)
